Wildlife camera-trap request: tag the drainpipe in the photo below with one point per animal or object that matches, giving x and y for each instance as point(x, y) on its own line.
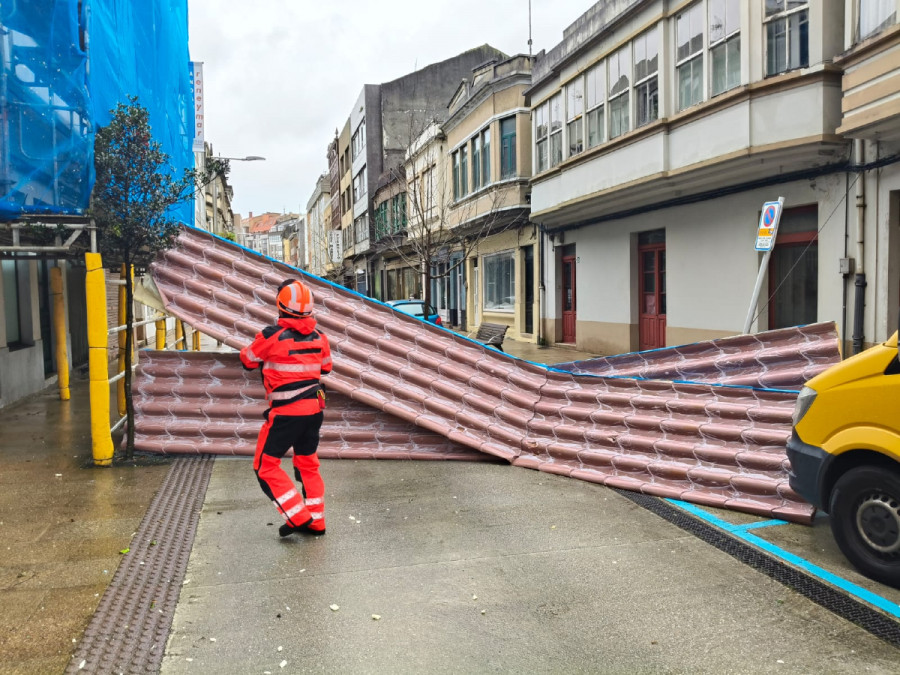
point(859, 305)
point(542, 289)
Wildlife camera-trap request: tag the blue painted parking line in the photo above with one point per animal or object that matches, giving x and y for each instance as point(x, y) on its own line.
point(740, 532)
point(758, 524)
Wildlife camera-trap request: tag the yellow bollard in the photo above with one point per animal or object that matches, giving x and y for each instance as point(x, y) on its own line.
point(98, 341)
point(195, 339)
point(120, 385)
point(59, 332)
point(179, 336)
point(161, 334)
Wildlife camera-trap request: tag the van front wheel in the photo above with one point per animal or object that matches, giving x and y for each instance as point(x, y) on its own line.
point(865, 520)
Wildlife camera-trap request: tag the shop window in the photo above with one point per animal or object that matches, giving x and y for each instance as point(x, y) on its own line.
point(499, 282)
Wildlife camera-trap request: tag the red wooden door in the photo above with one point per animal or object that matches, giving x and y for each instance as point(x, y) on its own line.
point(652, 327)
point(568, 299)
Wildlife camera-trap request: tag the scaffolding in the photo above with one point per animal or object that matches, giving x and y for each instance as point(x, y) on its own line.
point(64, 65)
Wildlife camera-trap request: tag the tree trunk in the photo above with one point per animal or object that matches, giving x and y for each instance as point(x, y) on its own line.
point(426, 280)
point(129, 352)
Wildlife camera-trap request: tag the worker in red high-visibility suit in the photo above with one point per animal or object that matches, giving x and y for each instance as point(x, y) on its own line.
point(293, 356)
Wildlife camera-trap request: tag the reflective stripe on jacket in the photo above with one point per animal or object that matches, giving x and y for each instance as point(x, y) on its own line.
point(293, 356)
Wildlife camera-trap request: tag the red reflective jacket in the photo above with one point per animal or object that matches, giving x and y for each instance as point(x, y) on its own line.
point(293, 356)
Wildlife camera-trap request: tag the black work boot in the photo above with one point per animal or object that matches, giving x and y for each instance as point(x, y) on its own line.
point(287, 529)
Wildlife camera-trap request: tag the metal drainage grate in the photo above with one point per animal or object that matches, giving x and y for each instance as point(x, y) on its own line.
point(820, 593)
point(129, 630)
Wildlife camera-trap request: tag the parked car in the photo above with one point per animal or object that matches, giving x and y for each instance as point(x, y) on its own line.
point(845, 456)
point(417, 308)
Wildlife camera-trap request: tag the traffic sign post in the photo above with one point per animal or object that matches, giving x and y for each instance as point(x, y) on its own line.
point(765, 241)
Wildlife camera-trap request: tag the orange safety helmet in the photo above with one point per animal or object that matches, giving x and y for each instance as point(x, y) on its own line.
point(294, 299)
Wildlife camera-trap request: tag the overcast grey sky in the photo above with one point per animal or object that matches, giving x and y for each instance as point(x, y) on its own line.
point(281, 75)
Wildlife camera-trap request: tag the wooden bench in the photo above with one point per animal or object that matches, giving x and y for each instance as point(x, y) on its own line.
point(491, 334)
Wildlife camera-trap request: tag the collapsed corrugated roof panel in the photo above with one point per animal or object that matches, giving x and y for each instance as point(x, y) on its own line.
point(706, 443)
point(783, 359)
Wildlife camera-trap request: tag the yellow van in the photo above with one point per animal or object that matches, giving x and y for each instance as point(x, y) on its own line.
point(845, 456)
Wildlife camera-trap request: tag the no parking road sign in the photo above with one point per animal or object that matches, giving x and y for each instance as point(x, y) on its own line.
point(768, 225)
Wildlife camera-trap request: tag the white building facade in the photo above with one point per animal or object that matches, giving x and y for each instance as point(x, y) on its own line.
point(661, 128)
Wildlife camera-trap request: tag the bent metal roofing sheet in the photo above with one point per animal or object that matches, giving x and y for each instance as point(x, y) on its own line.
point(404, 387)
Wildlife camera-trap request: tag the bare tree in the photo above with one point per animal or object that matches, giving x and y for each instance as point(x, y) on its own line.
point(443, 226)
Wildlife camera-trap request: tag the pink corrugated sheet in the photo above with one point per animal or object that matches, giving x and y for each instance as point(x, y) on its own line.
point(417, 390)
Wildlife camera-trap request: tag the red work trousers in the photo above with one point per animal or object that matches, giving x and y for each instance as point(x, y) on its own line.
point(279, 434)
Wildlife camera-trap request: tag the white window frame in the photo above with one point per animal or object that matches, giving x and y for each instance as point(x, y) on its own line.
point(475, 155)
point(360, 187)
point(617, 99)
point(650, 81)
point(575, 116)
point(723, 45)
point(485, 156)
point(358, 142)
point(542, 138)
point(788, 17)
point(691, 61)
point(361, 229)
point(595, 107)
point(556, 129)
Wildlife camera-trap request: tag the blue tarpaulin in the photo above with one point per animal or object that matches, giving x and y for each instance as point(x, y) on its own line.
point(65, 65)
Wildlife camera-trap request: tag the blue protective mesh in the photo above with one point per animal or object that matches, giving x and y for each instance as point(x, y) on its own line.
point(65, 65)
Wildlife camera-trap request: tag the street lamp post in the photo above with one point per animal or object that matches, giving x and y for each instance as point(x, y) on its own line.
point(215, 195)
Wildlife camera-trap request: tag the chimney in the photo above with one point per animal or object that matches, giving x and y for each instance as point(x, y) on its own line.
point(251, 215)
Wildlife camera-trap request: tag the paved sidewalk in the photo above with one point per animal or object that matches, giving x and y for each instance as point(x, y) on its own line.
point(62, 525)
